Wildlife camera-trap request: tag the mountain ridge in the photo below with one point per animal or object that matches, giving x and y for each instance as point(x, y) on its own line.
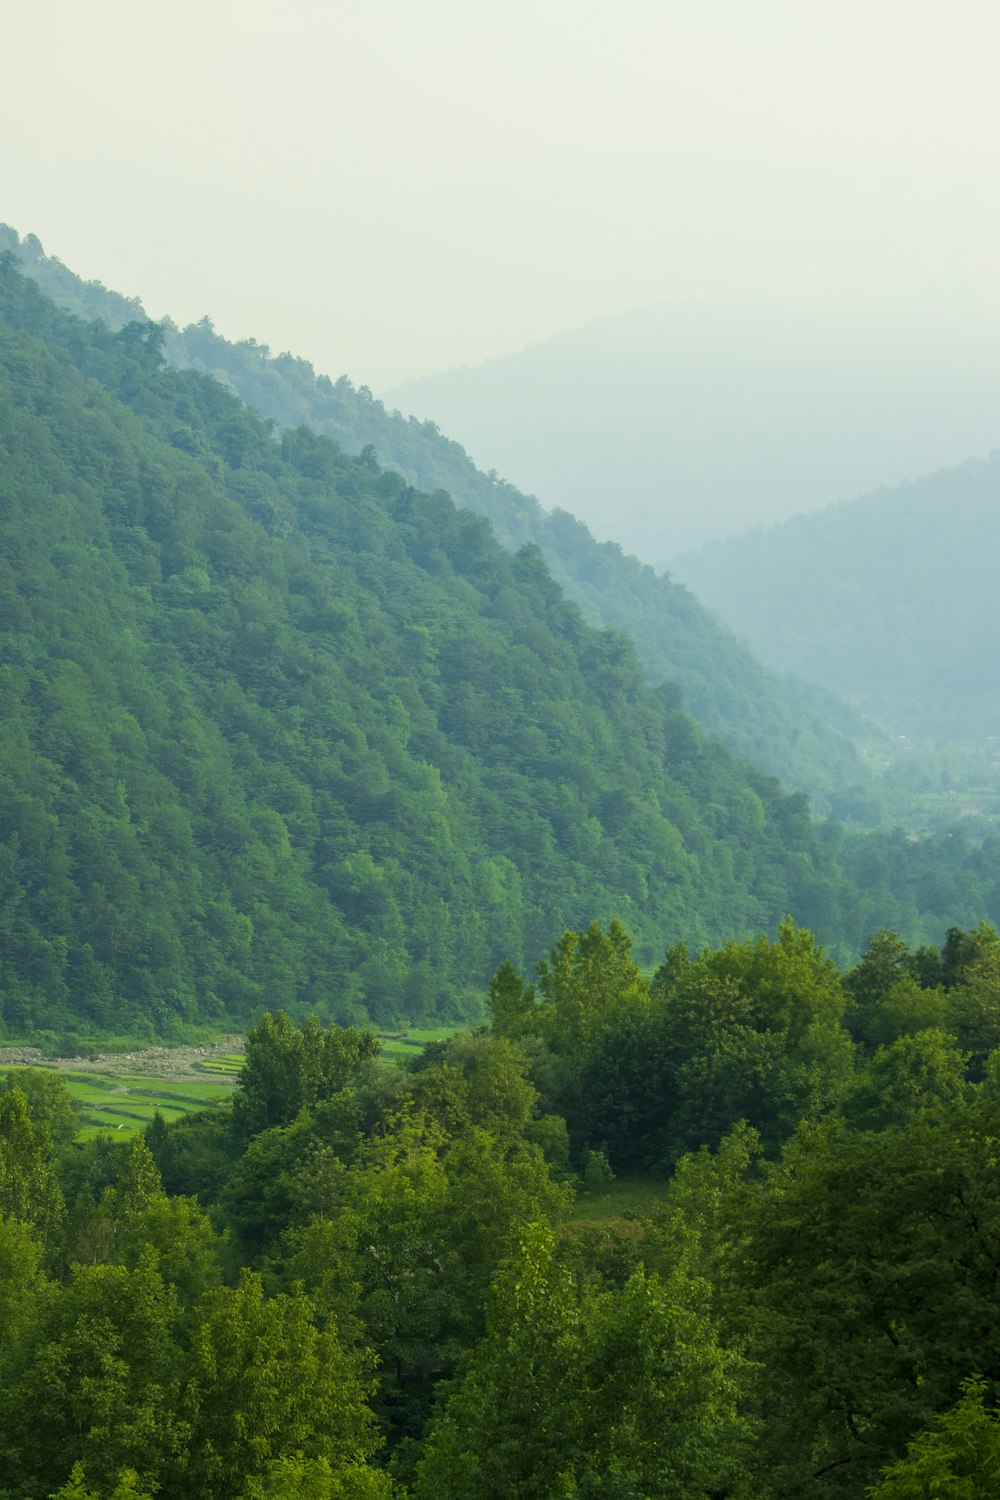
point(911, 567)
point(760, 718)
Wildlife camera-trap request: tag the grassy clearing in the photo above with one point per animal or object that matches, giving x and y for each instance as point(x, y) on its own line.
point(612, 1208)
point(399, 1044)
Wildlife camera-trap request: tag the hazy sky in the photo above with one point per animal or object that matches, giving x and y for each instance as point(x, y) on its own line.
point(390, 187)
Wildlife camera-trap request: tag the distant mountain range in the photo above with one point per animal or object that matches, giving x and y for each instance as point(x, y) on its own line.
point(675, 425)
point(891, 600)
point(760, 717)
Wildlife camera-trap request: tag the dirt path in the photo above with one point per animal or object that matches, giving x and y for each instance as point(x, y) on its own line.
point(179, 1063)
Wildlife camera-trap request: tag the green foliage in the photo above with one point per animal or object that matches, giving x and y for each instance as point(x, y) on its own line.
point(741, 1328)
point(750, 1031)
point(76, 1488)
point(263, 1371)
point(511, 1002)
point(313, 1479)
point(287, 1069)
point(587, 982)
point(959, 1459)
point(974, 1008)
point(50, 1103)
point(597, 1171)
point(21, 1282)
point(862, 1271)
point(320, 746)
point(754, 1032)
point(97, 1382)
point(29, 1190)
point(570, 1389)
point(911, 1075)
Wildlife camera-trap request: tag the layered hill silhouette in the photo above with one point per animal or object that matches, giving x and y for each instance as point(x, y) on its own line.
point(807, 743)
point(278, 729)
point(677, 424)
point(889, 601)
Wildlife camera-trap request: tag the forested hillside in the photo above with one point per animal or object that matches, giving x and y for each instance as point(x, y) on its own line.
point(676, 639)
point(889, 600)
point(276, 727)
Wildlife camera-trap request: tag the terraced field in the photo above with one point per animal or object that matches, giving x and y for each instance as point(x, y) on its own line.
point(112, 1100)
point(225, 1068)
point(127, 1102)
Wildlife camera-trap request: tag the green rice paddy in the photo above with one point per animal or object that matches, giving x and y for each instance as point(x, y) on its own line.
point(112, 1103)
point(226, 1066)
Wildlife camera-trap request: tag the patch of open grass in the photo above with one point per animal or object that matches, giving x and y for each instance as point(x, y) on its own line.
point(617, 1200)
point(91, 1132)
point(399, 1044)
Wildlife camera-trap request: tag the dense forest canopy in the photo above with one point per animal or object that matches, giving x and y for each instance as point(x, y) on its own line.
point(373, 1281)
point(761, 718)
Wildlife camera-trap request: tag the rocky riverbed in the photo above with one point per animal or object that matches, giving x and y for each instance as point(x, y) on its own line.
point(151, 1062)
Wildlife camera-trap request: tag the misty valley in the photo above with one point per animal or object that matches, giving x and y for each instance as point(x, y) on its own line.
point(613, 951)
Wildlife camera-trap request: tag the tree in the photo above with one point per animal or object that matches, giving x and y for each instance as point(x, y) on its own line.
point(21, 1282)
point(578, 1391)
point(76, 1487)
point(883, 962)
point(863, 1274)
point(288, 1068)
point(901, 1081)
point(974, 1000)
point(752, 1031)
point(28, 1186)
point(511, 1002)
point(957, 1459)
point(95, 1379)
point(314, 1479)
point(50, 1102)
point(502, 1432)
point(588, 984)
point(588, 980)
point(266, 1384)
point(500, 1098)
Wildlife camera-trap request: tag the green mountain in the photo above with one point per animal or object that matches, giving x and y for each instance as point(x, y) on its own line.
point(760, 717)
point(890, 600)
point(278, 729)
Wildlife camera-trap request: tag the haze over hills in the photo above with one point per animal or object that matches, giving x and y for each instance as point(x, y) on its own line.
point(671, 426)
point(889, 601)
point(760, 717)
point(434, 1063)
